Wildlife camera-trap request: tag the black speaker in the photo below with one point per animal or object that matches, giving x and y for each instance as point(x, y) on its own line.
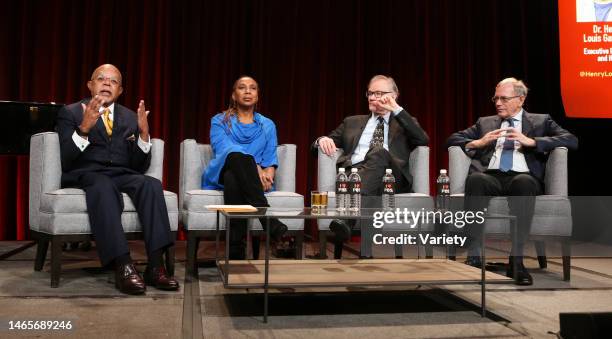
point(585, 325)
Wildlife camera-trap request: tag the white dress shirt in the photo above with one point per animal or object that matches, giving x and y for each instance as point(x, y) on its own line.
point(366, 136)
point(82, 143)
point(518, 158)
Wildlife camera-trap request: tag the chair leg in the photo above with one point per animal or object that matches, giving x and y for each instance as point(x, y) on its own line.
point(170, 256)
point(56, 261)
point(322, 245)
point(540, 247)
point(41, 253)
point(566, 255)
point(192, 254)
point(452, 253)
point(299, 244)
point(398, 251)
point(428, 252)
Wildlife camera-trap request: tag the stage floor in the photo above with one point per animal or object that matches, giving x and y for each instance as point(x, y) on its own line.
point(203, 307)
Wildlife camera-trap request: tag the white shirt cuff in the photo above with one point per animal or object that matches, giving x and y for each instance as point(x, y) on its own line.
point(145, 146)
point(80, 142)
point(398, 110)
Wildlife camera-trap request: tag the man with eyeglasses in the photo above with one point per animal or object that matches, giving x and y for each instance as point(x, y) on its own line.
point(372, 143)
point(105, 149)
point(509, 152)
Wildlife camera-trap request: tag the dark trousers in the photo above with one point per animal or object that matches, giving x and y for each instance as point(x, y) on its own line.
point(105, 204)
point(521, 189)
point(241, 185)
point(372, 169)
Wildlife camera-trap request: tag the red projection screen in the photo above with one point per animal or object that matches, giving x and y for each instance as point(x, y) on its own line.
point(585, 40)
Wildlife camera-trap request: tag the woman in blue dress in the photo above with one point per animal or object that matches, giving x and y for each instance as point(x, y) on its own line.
point(244, 163)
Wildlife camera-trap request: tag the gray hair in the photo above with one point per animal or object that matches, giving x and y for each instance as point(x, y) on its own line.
point(384, 77)
point(519, 86)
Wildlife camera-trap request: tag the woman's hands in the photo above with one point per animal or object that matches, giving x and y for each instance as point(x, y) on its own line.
point(266, 175)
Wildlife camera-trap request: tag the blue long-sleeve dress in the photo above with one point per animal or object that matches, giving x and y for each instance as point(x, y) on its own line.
point(257, 139)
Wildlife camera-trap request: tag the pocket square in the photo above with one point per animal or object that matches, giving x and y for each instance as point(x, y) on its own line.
point(131, 138)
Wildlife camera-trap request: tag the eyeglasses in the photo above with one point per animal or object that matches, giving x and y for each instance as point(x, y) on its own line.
point(376, 94)
point(504, 99)
point(114, 81)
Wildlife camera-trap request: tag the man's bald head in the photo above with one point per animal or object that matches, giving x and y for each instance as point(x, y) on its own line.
point(106, 83)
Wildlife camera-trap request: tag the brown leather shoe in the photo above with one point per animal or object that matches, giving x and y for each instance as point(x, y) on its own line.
point(128, 280)
point(158, 278)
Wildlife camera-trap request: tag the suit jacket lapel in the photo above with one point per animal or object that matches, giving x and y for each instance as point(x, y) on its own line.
point(357, 134)
point(527, 124)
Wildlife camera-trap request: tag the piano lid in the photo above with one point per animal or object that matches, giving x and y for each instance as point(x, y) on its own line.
point(21, 120)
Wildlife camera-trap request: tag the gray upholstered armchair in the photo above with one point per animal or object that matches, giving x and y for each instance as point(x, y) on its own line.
point(552, 218)
point(59, 215)
point(419, 169)
point(200, 222)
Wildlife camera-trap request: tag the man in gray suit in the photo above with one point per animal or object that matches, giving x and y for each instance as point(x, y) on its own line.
point(374, 142)
point(509, 152)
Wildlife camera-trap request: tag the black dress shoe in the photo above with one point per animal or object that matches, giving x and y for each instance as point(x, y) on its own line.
point(341, 230)
point(474, 261)
point(128, 280)
point(523, 278)
point(277, 230)
point(158, 278)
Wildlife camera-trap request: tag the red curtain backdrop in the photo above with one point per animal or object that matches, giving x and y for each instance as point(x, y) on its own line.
point(312, 59)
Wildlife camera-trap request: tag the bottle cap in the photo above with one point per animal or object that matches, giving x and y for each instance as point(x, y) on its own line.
point(341, 170)
point(442, 171)
point(353, 170)
point(388, 171)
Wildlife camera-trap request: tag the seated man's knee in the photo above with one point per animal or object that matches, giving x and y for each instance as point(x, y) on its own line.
point(152, 182)
point(524, 184)
point(476, 179)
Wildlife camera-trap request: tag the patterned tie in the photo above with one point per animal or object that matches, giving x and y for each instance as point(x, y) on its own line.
point(108, 123)
point(505, 162)
point(378, 138)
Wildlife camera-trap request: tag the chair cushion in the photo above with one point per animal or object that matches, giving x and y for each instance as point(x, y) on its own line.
point(64, 211)
point(197, 217)
point(552, 216)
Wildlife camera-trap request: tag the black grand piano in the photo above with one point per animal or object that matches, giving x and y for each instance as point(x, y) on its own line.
point(20, 120)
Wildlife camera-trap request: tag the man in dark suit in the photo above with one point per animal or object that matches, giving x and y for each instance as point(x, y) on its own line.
point(509, 152)
point(105, 149)
point(374, 142)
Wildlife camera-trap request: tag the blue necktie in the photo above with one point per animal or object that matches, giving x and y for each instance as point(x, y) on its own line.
point(505, 162)
point(602, 11)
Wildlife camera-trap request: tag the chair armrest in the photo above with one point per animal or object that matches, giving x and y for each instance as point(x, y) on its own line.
point(45, 171)
point(156, 168)
point(555, 178)
point(419, 169)
point(285, 174)
point(458, 168)
point(327, 170)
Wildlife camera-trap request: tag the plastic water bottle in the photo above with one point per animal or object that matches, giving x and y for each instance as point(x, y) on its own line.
point(443, 190)
point(341, 190)
point(354, 190)
point(388, 195)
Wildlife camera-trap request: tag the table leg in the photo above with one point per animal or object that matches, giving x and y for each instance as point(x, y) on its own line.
point(267, 270)
point(483, 279)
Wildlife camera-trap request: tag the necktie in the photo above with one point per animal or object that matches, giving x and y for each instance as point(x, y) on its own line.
point(602, 11)
point(378, 138)
point(108, 123)
point(505, 162)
